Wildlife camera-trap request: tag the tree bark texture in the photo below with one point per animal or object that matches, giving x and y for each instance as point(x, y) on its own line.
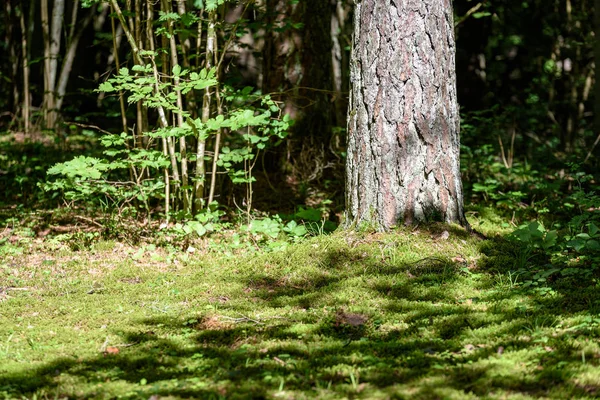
point(403, 126)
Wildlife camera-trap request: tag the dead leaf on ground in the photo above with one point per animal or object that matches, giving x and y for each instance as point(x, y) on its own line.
point(279, 361)
point(361, 387)
point(469, 347)
point(44, 233)
point(591, 389)
point(220, 299)
point(351, 319)
point(212, 324)
point(111, 350)
point(134, 281)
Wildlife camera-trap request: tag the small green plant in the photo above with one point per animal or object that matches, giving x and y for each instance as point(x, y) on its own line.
point(77, 241)
point(203, 223)
point(273, 233)
point(570, 252)
point(535, 236)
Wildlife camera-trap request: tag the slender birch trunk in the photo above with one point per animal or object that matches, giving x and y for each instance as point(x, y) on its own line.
point(116, 45)
point(217, 149)
point(162, 117)
point(200, 172)
point(167, 144)
point(10, 13)
point(180, 122)
point(58, 11)
point(25, 59)
point(67, 65)
point(48, 97)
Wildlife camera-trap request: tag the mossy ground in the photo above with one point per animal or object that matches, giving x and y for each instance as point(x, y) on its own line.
point(415, 314)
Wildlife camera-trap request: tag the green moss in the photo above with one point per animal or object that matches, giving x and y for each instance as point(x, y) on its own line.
point(414, 313)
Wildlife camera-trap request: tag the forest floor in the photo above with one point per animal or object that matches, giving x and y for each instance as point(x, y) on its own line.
point(416, 314)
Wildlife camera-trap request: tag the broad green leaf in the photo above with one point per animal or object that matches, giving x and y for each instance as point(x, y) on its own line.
point(177, 70)
point(106, 87)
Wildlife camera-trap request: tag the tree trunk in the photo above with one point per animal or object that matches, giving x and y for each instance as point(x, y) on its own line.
point(25, 59)
point(69, 57)
point(596, 67)
point(52, 39)
point(13, 58)
point(403, 127)
point(48, 93)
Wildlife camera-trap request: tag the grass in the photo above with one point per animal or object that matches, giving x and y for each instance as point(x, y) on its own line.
point(408, 314)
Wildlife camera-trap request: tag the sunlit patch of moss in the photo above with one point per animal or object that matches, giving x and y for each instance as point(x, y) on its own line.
point(416, 313)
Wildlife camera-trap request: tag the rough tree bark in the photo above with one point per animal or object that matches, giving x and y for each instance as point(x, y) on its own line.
point(403, 126)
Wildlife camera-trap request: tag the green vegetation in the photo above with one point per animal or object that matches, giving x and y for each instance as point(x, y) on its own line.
point(411, 314)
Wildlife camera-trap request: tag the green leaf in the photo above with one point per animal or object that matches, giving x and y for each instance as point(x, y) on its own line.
point(211, 5)
point(106, 87)
point(309, 214)
point(177, 70)
point(593, 229)
point(592, 245)
point(81, 166)
point(550, 239)
point(294, 229)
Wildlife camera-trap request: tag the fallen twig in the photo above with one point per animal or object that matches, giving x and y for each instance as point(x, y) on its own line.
point(98, 224)
point(243, 318)
point(4, 290)
point(104, 345)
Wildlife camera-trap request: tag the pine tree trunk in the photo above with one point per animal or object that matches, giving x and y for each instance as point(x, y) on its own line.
point(403, 127)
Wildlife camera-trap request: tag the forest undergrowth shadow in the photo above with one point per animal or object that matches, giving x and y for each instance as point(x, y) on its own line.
point(349, 323)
